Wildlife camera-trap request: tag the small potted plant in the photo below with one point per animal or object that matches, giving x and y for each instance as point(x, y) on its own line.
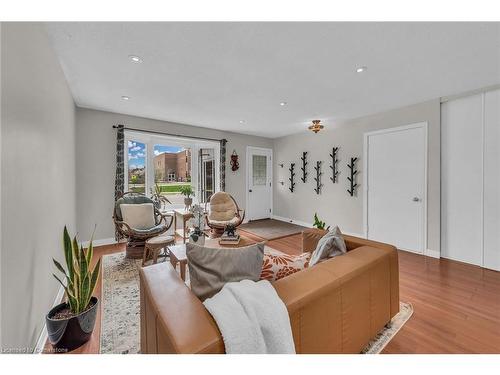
point(319, 224)
point(188, 192)
point(70, 324)
point(197, 235)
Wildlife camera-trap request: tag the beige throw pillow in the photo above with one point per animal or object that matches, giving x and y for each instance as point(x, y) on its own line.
point(210, 269)
point(138, 216)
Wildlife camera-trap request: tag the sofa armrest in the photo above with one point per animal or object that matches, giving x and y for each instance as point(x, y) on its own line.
point(352, 243)
point(310, 238)
point(173, 320)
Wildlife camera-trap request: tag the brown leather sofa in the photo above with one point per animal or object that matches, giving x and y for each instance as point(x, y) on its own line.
point(336, 306)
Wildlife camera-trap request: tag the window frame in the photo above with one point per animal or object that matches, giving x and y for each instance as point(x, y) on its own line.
point(150, 140)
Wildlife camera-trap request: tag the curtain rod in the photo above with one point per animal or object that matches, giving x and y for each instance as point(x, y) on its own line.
point(169, 134)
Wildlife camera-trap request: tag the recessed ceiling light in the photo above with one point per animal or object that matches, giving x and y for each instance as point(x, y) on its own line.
point(242, 121)
point(283, 104)
point(361, 69)
point(135, 58)
point(124, 97)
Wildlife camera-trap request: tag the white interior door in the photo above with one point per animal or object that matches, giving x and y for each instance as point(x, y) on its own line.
point(396, 186)
point(462, 179)
point(259, 190)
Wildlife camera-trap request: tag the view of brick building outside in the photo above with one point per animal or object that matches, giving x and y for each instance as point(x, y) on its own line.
point(171, 167)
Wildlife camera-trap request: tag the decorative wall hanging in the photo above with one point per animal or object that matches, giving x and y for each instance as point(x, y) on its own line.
point(316, 126)
point(352, 177)
point(303, 168)
point(223, 143)
point(333, 167)
point(234, 161)
point(292, 177)
point(318, 177)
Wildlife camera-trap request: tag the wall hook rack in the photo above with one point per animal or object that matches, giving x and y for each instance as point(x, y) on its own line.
point(292, 177)
point(303, 168)
point(352, 177)
point(335, 160)
point(318, 177)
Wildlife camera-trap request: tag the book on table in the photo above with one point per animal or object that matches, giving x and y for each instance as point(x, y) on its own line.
point(229, 240)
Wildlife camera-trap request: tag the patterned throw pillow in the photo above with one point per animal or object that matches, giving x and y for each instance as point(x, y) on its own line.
point(277, 265)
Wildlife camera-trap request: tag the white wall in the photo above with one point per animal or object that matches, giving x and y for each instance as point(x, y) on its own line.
point(95, 161)
point(335, 205)
point(38, 178)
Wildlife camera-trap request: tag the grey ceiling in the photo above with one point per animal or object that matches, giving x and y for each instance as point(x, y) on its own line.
point(216, 74)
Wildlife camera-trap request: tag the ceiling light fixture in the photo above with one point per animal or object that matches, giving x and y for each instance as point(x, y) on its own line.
point(316, 126)
point(361, 69)
point(283, 104)
point(242, 121)
point(124, 97)
point(135, 58)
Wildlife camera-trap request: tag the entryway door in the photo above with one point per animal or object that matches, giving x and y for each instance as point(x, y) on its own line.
point(395, 186)
point(259, 177)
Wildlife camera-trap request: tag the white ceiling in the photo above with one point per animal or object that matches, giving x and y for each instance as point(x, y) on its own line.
point(216, 74)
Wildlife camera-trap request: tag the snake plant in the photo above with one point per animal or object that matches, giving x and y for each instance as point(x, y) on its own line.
point(80, 278)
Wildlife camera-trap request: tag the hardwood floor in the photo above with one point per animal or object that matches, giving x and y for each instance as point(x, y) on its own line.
point(456, 305)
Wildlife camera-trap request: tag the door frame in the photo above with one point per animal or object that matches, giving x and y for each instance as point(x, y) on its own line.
point(247, 177)
point(424, 125)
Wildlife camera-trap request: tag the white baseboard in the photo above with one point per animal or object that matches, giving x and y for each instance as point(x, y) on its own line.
point(101, 242)
point(309, 225)
point(42, 338)
point(432, 253)
point(293, 221)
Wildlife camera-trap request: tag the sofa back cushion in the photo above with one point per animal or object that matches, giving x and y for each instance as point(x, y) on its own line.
point(138, 216)
point(210, 269)
point(222, 207)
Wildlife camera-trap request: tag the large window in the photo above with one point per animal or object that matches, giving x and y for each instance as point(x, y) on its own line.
point(171, 163)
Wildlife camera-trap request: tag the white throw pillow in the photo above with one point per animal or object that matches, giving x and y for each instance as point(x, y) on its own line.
point(138, 216)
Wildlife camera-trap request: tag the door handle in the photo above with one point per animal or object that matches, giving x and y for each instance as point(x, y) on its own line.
point(416, 199)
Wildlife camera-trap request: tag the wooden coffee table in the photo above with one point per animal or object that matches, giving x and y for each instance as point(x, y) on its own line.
point(178, 252)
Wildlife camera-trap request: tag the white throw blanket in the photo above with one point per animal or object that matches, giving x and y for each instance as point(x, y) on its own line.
point(252, 318)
